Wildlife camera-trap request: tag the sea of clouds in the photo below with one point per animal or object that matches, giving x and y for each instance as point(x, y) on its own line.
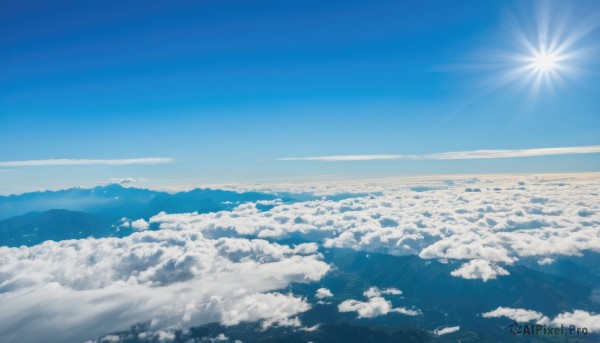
point(487, 222)
point(228, 266)
point(75, 290)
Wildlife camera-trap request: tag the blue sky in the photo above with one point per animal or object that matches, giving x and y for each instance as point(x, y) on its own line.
point(226, 88)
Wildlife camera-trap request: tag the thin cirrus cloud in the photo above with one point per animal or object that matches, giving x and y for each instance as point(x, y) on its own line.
point(456, 155)
point(72, 162)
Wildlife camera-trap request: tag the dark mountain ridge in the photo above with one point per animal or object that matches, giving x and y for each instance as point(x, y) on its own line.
point(31, 218)
point(36, 227)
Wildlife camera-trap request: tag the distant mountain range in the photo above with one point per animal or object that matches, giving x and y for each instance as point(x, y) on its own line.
point(116, 201)
point(31, 218)
point(36, 227)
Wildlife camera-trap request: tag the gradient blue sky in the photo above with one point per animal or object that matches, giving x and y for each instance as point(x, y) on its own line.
point(225, 88)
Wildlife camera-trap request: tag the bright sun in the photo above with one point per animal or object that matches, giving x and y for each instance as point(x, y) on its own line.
point(548, 48)
point(544, 62)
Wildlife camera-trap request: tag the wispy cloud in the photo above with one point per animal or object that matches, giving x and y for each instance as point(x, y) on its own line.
point(123, 181)
point(71, 162)
point(456, 155)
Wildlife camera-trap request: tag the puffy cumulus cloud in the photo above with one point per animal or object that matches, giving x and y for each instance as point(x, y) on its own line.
point(110, 339)
point(164, 336)
point(508, 219)
point(544, 261)
point(479, 269)
point(373, 307)
point(160, 335)
point(446, 330)
point(219, 338)
point(579, 318)
point(275, 308)
point(375, 292)
point(140, 224)
point(323, 293)
point(81, 289)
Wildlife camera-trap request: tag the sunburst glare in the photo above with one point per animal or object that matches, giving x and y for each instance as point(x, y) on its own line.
point(542, 48)
point(544, 62)
point(551, 46)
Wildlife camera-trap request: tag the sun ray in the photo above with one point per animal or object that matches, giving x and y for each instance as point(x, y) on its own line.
point(548, 48)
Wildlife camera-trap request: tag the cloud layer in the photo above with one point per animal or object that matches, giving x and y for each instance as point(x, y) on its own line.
point(485, 223)
point(80, 289)
point(217, 267)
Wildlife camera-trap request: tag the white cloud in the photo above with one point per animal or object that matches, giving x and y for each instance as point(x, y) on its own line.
point(511, 218)
point(140, 224)
point(81, 289)
point(446, 330)
point(582, 319)
point(123, 181)
point(180, 275)
point(372, 292)
point(71, 162)
point(220, 338)
point(163, 336)
point(392, 291)
point(579, 318)
point(373, 307)
point(160, 335)
point(518, 315)
point(274, 308)
point(479, 269)
point(375, 292)
point(544, 261)
point(456, 155)
point(323, 293)
point(110, 339)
